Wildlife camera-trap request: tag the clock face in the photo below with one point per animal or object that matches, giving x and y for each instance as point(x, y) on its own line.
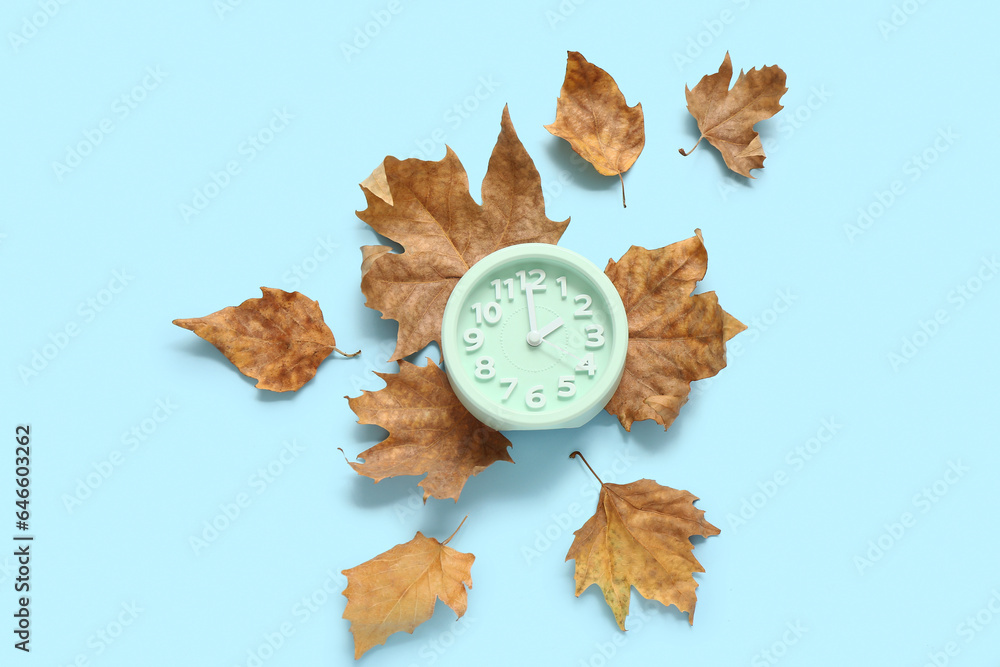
point(534, 336)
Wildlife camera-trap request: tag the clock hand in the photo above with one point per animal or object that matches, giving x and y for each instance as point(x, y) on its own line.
point(532, 318)
point(562, 350)
point(533, 338)
point(550, 327)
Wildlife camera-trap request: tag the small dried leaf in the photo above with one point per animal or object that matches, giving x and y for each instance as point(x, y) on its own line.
point(279, 339)
point(674, 337)
point(592, 115)
point(426, 207)
point(396, 591)
point(640, 536)
point(430, 431)
point(726, 117)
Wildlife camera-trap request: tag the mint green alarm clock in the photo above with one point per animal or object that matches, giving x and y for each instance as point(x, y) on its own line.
point(534, 336)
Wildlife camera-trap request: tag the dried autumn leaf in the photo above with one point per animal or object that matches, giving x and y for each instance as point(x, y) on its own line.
point(279, 340)
point(426, 207)
point(396, 591)
point(640, 536)
point(430, 431)
point(726, 117)
point(592, 115)
point(674, 337)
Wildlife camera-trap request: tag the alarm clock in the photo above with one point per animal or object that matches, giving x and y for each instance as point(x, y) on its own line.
point(534, 336)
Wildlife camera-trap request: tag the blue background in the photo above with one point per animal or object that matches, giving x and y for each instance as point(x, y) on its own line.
point(869, 110)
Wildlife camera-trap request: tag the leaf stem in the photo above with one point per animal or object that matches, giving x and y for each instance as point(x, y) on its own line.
point(336, 349)
point(456, 530)
point(575, 454)
point(681, 150)
point(620, 178)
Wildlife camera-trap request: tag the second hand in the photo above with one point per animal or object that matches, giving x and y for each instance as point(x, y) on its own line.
point(562, 350)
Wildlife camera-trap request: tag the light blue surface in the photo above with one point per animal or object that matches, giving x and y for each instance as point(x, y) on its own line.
point(265, 118)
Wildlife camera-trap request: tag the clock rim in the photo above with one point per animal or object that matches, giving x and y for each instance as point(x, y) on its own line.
point(571, 416)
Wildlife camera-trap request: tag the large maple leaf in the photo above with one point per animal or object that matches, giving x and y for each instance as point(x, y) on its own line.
point(396, 590)
point(674, 338)
point(726, 117)
point(640, 536)
point(430, 431)
point(426, 207)
point(593, 116)
point(279, 339)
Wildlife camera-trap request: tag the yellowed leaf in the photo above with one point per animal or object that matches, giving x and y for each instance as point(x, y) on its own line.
point(396, 590)
point(640, 536)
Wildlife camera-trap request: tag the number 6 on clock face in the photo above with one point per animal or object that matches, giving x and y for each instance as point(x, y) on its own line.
point(534, 337)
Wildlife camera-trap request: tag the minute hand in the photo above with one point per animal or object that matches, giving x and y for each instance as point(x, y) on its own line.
point(532, 319)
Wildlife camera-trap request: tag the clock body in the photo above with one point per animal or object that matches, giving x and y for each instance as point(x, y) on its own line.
point(534, 336)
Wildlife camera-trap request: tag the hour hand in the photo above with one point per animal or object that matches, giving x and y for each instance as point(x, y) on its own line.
point(535, 338)
point(550, 327)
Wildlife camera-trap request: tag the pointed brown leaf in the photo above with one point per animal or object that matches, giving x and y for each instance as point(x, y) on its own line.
point(430, 431)
point(726, 117)
point(396, 590)
point(426, 207)
point(279, 339)
point(674, 337)
point(640, 536)
point(592, 115)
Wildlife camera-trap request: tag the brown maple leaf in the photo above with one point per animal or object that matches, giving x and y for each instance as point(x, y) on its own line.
point(726, 117)
point(279, 339)
point(640, 536)
point(430, 431)
point(674, 337)
point(426, 207)
point(396, 590)
point(592, 115)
